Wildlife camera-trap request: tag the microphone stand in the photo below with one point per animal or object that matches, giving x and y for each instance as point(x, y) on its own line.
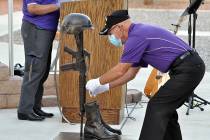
point(194, 100)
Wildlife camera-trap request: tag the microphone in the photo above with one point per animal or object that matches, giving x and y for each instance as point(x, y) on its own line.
point(193, 7)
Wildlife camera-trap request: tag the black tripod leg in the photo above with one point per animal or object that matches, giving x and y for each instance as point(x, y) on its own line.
point(205, 102)
point(190, 104)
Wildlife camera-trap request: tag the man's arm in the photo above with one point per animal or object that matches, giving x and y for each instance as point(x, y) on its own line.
point(95, 87)
point(115, 73)
point(37, 9)
point(129, 75)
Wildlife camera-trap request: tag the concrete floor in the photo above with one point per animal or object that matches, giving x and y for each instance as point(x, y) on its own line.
point(196, 126)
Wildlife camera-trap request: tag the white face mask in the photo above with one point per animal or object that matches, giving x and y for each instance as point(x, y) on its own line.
point(115, 41)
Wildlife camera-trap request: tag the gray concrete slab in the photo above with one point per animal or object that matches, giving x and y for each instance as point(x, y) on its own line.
point(167, 17)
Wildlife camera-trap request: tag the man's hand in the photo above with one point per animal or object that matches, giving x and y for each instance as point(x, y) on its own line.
point(94, 87)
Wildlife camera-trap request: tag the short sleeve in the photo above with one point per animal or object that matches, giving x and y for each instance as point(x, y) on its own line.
point(140, 64)
point(133, 51)
point(33, 1)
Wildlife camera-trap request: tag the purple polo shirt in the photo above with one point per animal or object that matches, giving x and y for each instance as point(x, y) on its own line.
point(47, 21)
point(152, 45)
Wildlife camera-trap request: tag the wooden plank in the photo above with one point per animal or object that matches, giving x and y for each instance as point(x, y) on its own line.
point(110, 116)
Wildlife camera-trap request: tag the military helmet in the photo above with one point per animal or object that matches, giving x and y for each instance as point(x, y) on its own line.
point(74, 23)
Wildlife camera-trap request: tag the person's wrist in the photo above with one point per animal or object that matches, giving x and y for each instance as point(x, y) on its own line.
point(107, 86)
point(98, 82)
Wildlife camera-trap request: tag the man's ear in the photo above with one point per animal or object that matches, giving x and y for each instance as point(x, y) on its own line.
point(121, 26)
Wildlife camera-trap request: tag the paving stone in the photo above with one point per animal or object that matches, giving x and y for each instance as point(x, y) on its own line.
point(4, 72)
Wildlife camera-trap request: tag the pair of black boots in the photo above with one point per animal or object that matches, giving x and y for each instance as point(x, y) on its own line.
point(95, 127)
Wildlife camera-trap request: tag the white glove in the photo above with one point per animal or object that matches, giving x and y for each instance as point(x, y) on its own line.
point(100, 89)
point(94, 87)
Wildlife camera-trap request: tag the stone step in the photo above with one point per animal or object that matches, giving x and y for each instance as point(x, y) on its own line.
point(10, 92)
point(49, 101)
point(10, 86)
point(49, 85)
point(4, 72)
point(11, 101)
point(133, 96)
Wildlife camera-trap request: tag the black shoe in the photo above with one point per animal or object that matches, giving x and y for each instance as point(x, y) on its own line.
point(42, 113)
point(30, 117)
point(116, 131)
point(94, 128)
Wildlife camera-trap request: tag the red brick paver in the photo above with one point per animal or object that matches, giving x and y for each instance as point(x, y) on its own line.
point(4, 6)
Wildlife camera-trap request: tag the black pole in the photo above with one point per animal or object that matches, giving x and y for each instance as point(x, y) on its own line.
point(82, 78)
point(194, 28)
point(189, 30)
point(192, 37)
point(190, 99)
point(80, 66)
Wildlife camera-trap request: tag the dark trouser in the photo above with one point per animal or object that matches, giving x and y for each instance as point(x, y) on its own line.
point(161, 119)
point(38, 48)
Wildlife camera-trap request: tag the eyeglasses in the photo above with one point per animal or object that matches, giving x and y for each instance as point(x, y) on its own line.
point(109, 32)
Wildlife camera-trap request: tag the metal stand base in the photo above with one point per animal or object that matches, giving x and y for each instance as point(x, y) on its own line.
point(76, 136)
point(69, 136)
point(196, 101)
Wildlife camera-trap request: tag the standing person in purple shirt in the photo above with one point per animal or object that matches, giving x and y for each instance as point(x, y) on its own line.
point(150, 45)
point(39, 26)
